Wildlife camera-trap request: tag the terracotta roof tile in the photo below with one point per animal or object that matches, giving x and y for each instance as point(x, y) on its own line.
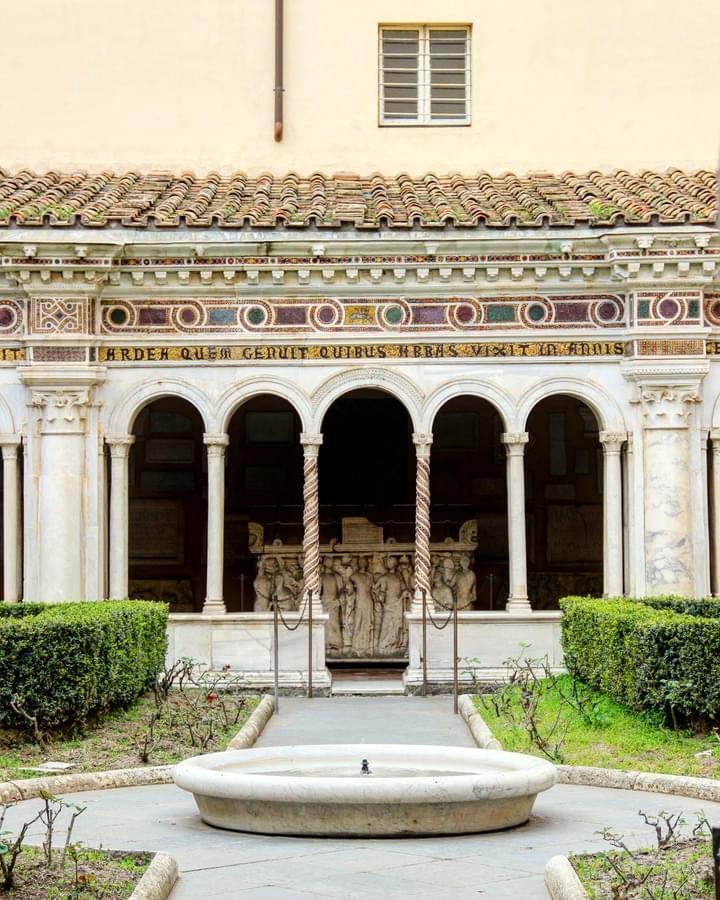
point(537, 199)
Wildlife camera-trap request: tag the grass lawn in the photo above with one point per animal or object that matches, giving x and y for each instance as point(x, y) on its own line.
point(618, 739)
point(88, 873)
point(116, 741)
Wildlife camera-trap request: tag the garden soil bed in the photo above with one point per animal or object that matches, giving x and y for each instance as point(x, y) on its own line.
point(116, 741)
point(683, 871)
point(112, 875)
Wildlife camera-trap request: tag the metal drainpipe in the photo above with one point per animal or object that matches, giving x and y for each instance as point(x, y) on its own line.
point(279, 70)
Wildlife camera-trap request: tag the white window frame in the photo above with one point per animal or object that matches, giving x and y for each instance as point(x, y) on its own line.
point(424, 117)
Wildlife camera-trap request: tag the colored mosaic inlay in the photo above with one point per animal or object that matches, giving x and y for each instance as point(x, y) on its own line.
point(670, 347)
point(286, 352)
point(307, 315)
point(660, 308)
point(59, 316)
point(293, 202)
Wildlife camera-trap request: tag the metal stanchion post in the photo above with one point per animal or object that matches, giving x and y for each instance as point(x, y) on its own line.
point(276, 636)
point(310, 643)
point(716, 859)
point(455, 654)
point(424, 643)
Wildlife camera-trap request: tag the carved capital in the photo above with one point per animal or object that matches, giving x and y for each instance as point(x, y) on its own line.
point(119, 444)
point(666, 406)
point(612, 441)
point(10, 445)
point(515, 442)
point(715, 439)
point(61, 410)
point(423, 443)
point(216, 444)
point(311, 443)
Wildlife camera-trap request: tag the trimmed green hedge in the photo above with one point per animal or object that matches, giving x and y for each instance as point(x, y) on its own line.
point(69, 662)
point(658, 653)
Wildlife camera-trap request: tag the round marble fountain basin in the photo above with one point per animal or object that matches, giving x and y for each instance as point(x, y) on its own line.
point(320, 790)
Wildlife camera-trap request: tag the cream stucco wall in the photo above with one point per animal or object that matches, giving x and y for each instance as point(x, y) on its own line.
point(188, 83)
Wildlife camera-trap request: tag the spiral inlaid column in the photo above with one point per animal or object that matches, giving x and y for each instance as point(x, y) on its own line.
point(423, 443)
point(311, 518)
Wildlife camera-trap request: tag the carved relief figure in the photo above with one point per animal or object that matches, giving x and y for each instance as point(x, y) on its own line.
point(263, 585)
point(441, 591)
point(330, 586)
point(362, 636)
point(391, 592)
point(465, 583)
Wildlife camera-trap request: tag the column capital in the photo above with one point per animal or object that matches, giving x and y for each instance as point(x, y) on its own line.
point(423, 443)
point(714, 438)
point(310, 439)
point(119, 444)
point(515, 442)
point(10, 444)
point(612, 441)
point(215, 440)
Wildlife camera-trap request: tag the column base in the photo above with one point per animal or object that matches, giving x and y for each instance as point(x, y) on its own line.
point(214, 608)
point(518, 604)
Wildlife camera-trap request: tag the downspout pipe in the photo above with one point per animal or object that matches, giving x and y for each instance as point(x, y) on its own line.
point(279, 70)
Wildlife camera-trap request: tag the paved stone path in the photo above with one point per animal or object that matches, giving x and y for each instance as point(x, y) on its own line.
point(223, 865)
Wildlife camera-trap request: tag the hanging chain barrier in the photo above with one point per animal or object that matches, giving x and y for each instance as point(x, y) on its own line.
point(278, 617)
point(452, 616)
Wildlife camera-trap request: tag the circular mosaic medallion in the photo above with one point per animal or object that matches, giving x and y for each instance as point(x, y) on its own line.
point(394, 315)
point(668, 308)
point(464, 313)
point(189, 315)
point(256, 315)
point(536, 313)
point(715, 310)
point(607, 311)
point(7, 317)
point(326, 315)
point(119, 315)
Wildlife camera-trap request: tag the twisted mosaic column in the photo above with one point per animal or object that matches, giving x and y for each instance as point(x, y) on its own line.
point(311, 518)
point(423, 443)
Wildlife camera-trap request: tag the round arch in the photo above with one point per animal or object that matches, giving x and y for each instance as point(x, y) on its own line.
point(393, 383)
point(7, 424)
point(236, 395)
point(715, 416)
point(605, 408)
point(126, 410)
point(495, 395)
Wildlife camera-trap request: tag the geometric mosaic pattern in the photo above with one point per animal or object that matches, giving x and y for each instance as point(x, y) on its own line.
point(391, 314)
point(294, 202)
point(59, 316)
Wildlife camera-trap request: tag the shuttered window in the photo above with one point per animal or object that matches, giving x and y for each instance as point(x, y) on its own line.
point(424, 75)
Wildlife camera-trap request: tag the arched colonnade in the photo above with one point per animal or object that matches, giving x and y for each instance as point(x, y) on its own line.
point(513, 413)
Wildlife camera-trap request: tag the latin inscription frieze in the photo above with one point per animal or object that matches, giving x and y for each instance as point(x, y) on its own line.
point(291, 353)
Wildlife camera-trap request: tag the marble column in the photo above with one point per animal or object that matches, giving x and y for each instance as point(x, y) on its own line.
point(311, 444)
point(612, 442)
point(59, 432)
point(715, 511)
point(515, 450)
point(12, 542)
point(119, 526)
point(423, 564)
point(666, 407)
point(216, 444)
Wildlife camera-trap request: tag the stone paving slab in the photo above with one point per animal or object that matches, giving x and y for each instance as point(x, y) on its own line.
point(366, 720)
point(220, 865)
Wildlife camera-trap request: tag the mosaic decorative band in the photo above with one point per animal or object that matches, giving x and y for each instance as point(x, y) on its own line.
point(289, 353)
point(298, 315)
point(670, 347)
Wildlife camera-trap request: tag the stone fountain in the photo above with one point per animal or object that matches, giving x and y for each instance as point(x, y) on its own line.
point(367, 789)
